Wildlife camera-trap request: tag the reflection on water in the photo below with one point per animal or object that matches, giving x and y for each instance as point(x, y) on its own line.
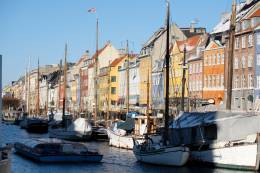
point(114, 161)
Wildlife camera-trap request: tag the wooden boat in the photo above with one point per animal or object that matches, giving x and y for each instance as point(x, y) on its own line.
point(5, 161)
point(154, 153)
point(121, 133)
point(53, 150)
point(162, 153)
point(79, 130)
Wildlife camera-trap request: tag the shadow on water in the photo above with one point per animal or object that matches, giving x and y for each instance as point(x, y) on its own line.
point(114, 161)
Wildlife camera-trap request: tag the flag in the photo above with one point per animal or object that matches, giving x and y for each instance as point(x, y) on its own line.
point(92, 10)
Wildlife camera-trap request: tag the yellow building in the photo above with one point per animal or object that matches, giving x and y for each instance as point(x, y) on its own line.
point(114, 82)
point(103, 89)
point(144, 68)
point(176, 71)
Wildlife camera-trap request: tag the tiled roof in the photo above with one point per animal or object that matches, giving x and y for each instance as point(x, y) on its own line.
point(83, 58)
point(255, 14)
point(116, 61)
point(190, 43)
point(100, 51)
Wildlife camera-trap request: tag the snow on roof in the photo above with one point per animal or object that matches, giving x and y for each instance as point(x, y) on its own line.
point(224, 23)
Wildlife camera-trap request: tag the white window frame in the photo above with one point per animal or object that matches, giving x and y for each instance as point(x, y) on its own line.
point(237, 43)
point(250, 61)
point(243, 42)
point(257, 59)
point(243, 61)
point(250, 81)
point(218, 58)
point(258, 38)
point(250, 40)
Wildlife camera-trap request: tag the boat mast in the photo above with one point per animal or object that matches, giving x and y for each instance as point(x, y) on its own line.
point(127, 78)
point(29, 88)
point(38, 90)
point(58, 102)
point(64, 83)
point(230, 56)
point(167, 58)
point(147, 106)
point(96, 76)
point(183, 78)
point(108, 96)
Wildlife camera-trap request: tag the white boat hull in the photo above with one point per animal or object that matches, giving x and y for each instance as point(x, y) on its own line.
point(244, 156)
point(126, 142)
point(118, 141)
point(169, 156)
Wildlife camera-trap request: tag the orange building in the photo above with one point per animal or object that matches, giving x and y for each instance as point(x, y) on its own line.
point(213, 70)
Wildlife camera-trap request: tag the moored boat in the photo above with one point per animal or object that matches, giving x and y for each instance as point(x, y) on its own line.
point(79, 130)
point(34, 125)
point(10, 116)
point(53, 150)
point(121, 134)
point(154, 153)
point(162, 153)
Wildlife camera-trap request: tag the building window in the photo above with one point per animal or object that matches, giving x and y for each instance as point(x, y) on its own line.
point(250, 61)
point(113, 78)
point(243, 42)
point(237, 43)
point(258, 82)
point(206, 82)
point(113, 102)
point(119, 67)
point(236, 82)
point(213, 62)
point(113, 90)
point(250, 81)
point(236, 63)
point(258, 38)
point(190, 69)
point(243, 61)
point(218, 59)
point(223, 58)
point(205, 60)
point(213, 81)
point(209, 81)
point(258, 59)
point(243, 81)
point(217, 81)
point(209, 60)
point(250, 40)
point(222, 80)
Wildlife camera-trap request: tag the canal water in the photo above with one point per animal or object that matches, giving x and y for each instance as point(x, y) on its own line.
point(114, 161)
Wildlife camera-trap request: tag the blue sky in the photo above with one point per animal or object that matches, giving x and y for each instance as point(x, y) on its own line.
point(40, 28)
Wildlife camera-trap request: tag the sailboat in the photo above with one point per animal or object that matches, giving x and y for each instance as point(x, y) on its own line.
point(35, 124)
point(162, 153)
point(121, 133)
point(225, 139)
point(80, 129)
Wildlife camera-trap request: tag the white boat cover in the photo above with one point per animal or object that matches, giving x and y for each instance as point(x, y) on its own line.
point(201, 127)
point(80, 125)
